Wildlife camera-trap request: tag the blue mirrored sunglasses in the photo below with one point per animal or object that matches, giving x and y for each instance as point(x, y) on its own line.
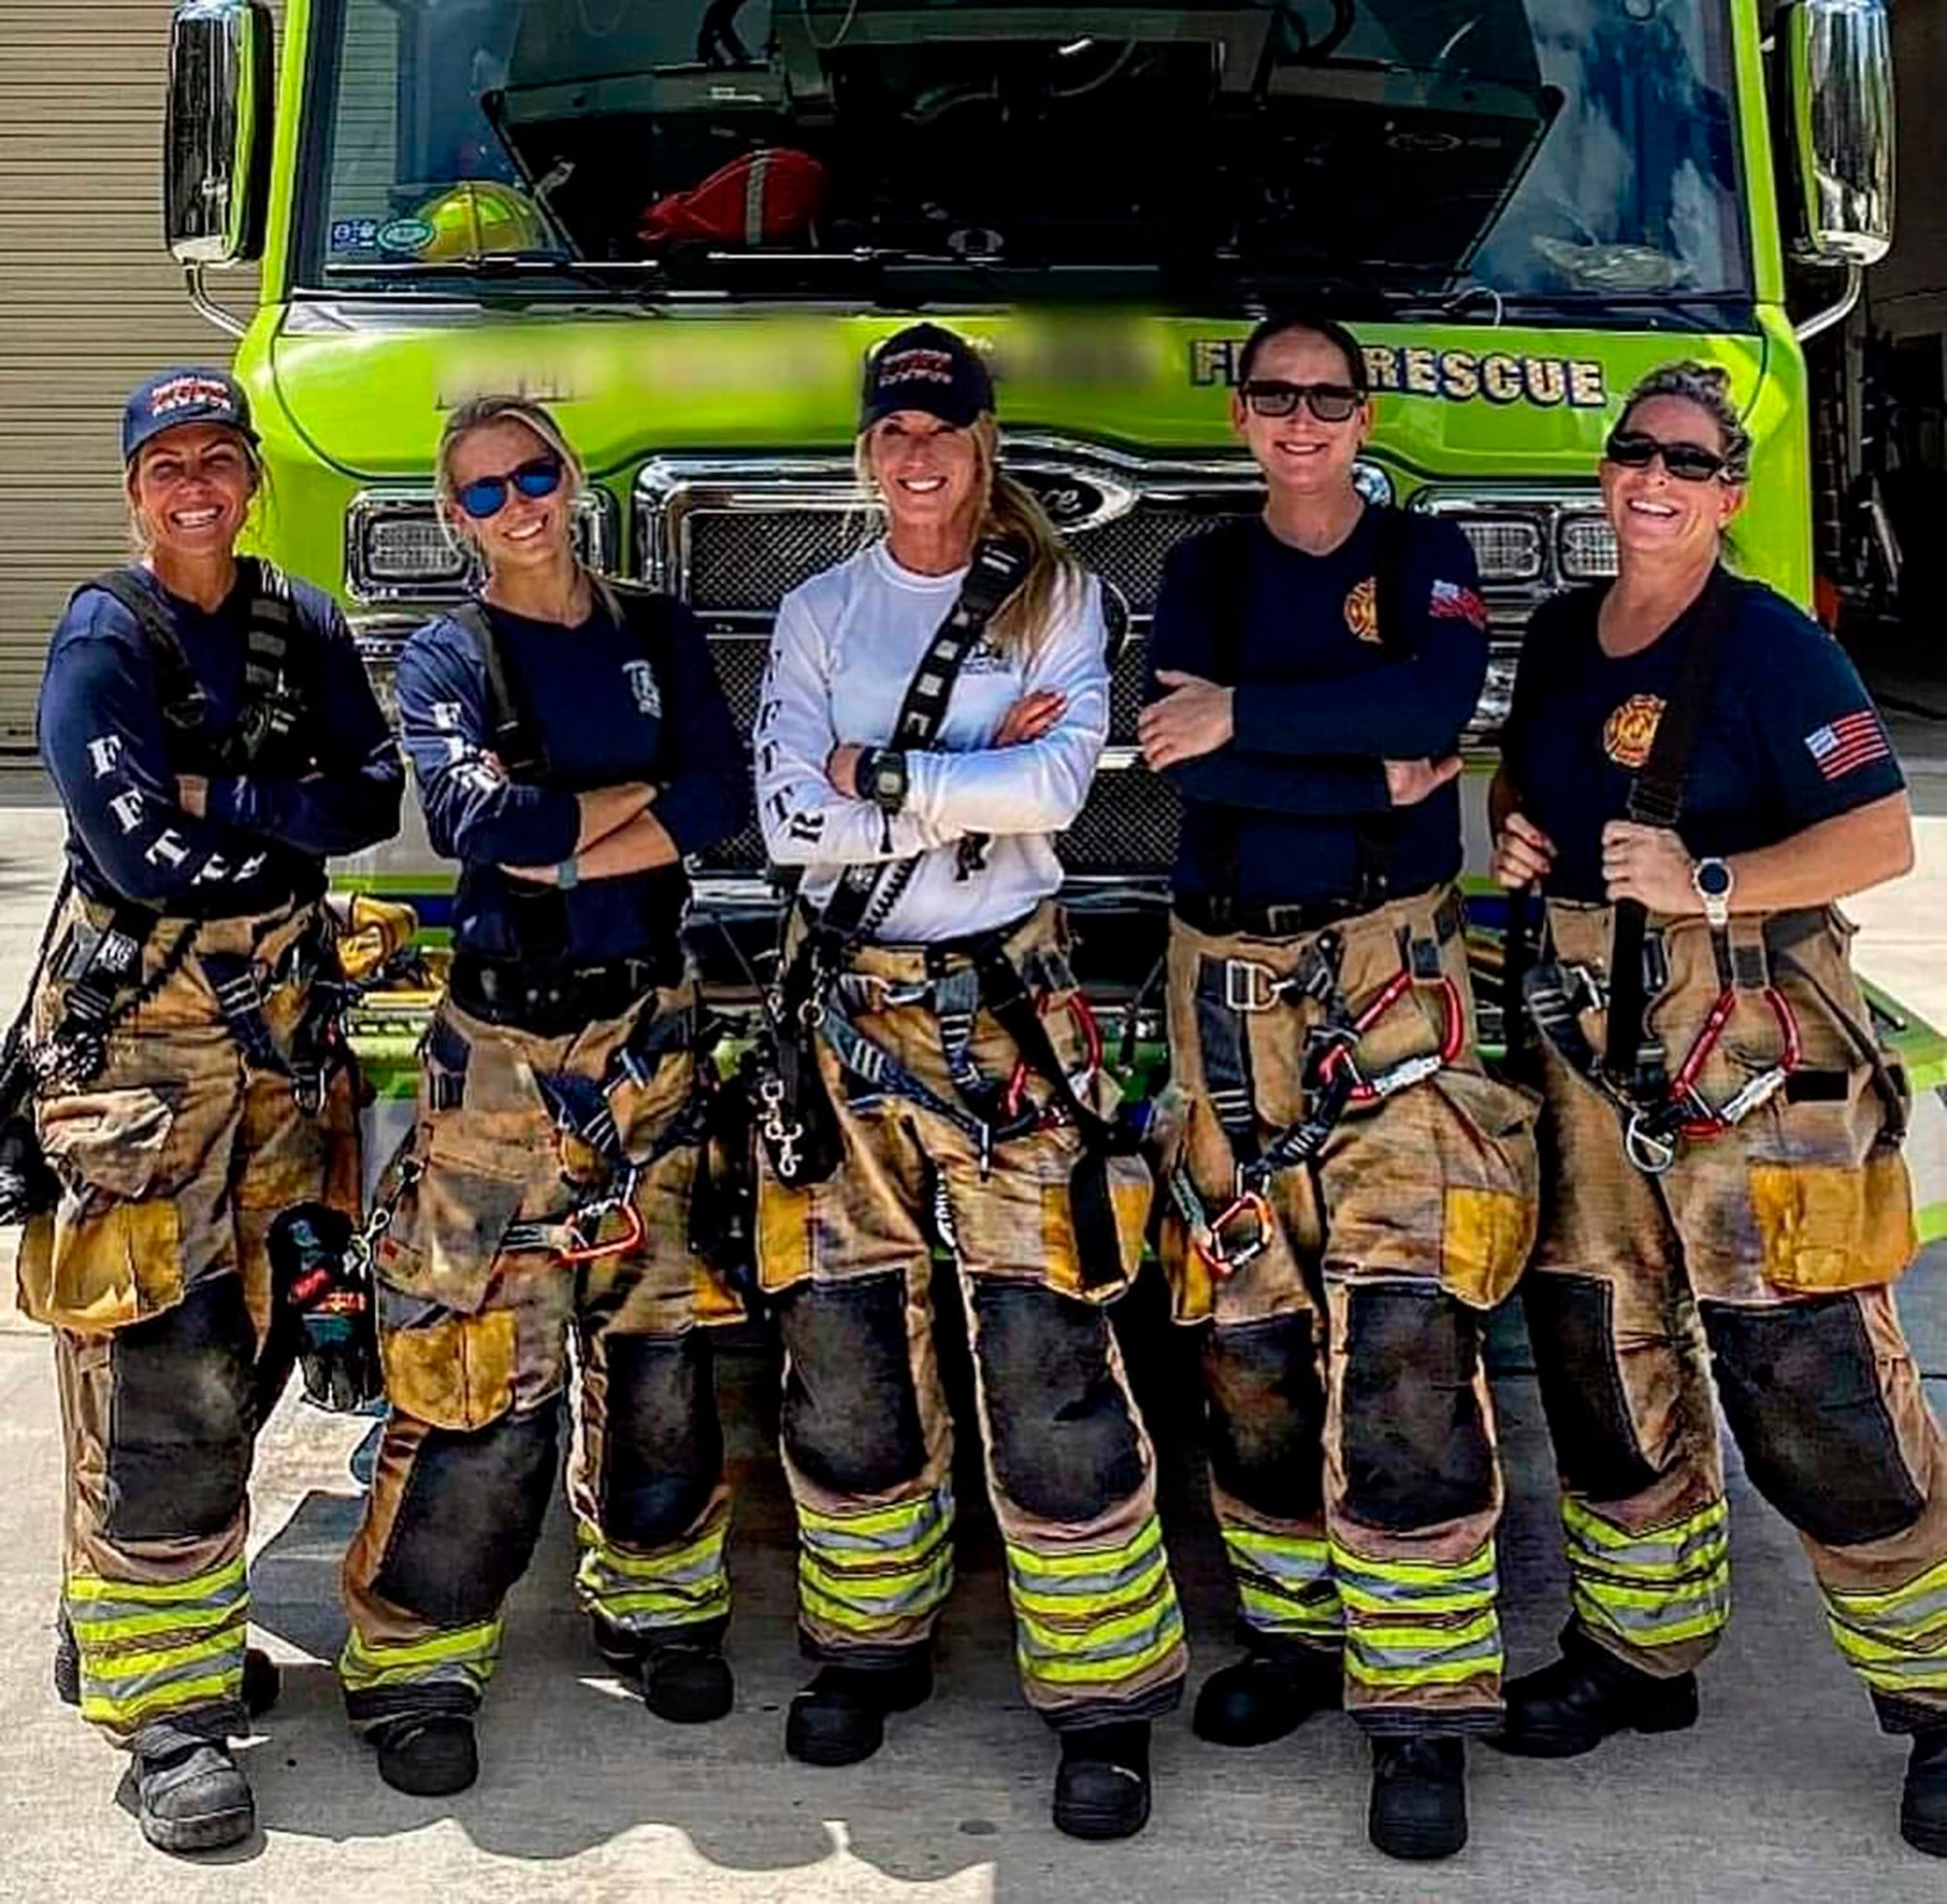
point(486, 495)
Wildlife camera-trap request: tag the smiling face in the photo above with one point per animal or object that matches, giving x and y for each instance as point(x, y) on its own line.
point(1298, 454)
point(927, 471)
point(191, 488)
point(527, 531)
point(1652, 512)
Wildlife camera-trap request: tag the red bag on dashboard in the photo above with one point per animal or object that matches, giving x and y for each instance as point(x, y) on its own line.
point(763, 197)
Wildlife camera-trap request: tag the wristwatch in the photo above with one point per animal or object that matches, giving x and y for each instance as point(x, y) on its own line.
point(568, 875)
point(1712, 881)
point(882, 777)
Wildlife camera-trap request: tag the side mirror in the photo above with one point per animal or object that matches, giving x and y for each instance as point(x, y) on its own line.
point(1839, 87)
point(216, 146)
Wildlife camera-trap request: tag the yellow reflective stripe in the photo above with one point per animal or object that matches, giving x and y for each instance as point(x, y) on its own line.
point(1075, 1672)
point(838, 1613)
point(1386, 1637)
point(104, 1632)
point(1873, 1607)
point(469, 1650)
point(1098, 1631)
point(177, 1695)
point(1863, 1646)
point(1651, 1599)
point(117, 1669)
point(1414, 1573)
point(1068, 1567)
point(692, 1604)
point(1447, 1673)
point(1275, 1552)
point(880, 1563)
point(879, 1521)
point(1702, 1530)
point(1282, 1613)
point(1661, 1633)
point(700, 1553)
point(1076, 1605)
point(1358, 1600)
point(90, 1586)
point(887, 1590)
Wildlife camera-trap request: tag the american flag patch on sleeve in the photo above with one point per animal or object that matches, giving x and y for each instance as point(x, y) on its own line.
point(1854, 739)
point(1452, 603)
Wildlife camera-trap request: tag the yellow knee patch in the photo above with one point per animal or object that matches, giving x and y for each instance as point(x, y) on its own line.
point(1831, 1226)
point(457, 1374)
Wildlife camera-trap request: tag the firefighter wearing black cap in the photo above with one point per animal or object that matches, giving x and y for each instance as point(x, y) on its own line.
point(930, 721)
point(1352, 1193)
point(212, 736)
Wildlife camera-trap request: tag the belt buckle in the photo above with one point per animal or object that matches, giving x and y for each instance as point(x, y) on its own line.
point(1249, 985)
point(1286, 921)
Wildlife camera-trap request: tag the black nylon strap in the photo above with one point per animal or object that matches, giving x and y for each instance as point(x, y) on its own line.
point(1656, 799)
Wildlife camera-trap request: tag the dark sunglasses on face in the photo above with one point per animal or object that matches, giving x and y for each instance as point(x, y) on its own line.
point(486, 495)
point(1688, 463)
point(1330, 403)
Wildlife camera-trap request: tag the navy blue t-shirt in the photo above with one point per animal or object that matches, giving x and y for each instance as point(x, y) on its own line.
point(1789, 737)
point(260, 840)
point(1321, 704)
point(606, 715)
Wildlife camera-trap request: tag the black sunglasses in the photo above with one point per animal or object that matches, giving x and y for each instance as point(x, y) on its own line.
point(486, 495)
point(1330, 403)
point(1688, 463)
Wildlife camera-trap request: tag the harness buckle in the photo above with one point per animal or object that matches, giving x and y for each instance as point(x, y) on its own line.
point(1752, 1096)
point(1250, 985)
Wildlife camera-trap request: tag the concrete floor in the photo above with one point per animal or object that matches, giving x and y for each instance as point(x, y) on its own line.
point(1784, 1791)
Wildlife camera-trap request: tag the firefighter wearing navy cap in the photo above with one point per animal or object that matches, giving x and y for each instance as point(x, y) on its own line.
point(1352, 1193)
point(930, 723)
point(212, 736)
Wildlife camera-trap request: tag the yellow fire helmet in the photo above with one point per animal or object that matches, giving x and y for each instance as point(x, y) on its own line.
point(478, 217)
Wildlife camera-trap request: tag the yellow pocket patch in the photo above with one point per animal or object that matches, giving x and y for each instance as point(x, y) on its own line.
point(119, 1264)
point(1131, 1189)
point(457, 1374)
point(784, 1234)
point(1484, 1240)
point(1831, 1226)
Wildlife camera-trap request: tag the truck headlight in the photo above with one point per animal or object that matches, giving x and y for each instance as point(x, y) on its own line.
point(1506, 548)
point(1585, 545)
point(396, 549)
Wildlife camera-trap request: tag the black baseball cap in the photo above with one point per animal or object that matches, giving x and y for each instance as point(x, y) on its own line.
point(926, 367)
point(184, 396)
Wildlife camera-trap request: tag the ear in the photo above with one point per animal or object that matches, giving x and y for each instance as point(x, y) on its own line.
point(1238, 414)
point(1366, 416)
point(1731, 503)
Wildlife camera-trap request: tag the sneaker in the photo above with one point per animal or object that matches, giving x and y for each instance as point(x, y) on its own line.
point(430, 1757)
point(262, 1681)
point(840, 1717)
point(1570, 1706)
point(191, 1796)
point(1419, 1797)
point(1265, 1695)
point(1923, 1800)
point(1102, 1788)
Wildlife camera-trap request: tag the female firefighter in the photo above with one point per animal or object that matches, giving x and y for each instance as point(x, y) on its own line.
point(211, 733)
point(1694, 775)
point(570, 744)
point(931, 719)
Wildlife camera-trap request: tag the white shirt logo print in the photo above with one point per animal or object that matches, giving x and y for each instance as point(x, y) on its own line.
point(642, 679)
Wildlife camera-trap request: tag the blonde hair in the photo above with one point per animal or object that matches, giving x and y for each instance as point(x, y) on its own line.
point(481, 413)
point(1054, 581)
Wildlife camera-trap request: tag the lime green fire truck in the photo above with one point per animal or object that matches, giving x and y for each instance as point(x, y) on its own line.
point(682, 223)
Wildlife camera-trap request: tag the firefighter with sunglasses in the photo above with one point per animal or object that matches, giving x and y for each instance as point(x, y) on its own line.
point(1352, 1192)
point(1694, 775)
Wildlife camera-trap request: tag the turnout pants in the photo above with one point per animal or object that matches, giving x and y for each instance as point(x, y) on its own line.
point(483, 1313)
point(1767, 1252)
point(1353, 1464)
point(152, 1273)
point(867, 1436)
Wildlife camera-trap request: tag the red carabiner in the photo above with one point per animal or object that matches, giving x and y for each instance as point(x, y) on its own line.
point(1714, 1124)
point(632, 1239)
point(1224, 1262)
point(1452, 1037)
point(1078, 1008)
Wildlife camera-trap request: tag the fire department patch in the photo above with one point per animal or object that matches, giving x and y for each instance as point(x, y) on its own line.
point(1362, 610)
point(1627, 733)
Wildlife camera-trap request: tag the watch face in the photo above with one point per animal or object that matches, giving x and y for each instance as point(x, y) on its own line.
point(1713, 879)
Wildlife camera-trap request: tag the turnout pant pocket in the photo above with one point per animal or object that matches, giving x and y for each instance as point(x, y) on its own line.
point(1484, 1133)
point(448, 1222)
point(454, 1371)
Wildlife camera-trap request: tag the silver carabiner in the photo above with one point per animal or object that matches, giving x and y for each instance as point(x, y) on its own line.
point(1651, 1154)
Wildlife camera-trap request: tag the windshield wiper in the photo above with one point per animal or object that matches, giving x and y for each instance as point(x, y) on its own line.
point(640, 278)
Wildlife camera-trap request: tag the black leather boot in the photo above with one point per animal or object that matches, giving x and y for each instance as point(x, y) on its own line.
point(1263, 1696)
point(191, 1796)
point(840, 1717)
point(1922, 1801)
point(1419, 1797)
point(429, 1757)
point(1102, 1787)
point(1570, 1707)
point(684, 1680)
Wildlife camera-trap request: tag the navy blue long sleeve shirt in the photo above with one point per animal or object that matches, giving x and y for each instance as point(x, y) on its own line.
point(1321, 704)
point(605, 716)
point(106, 744)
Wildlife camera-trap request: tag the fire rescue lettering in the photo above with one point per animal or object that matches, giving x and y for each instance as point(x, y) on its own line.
point(1495, 376)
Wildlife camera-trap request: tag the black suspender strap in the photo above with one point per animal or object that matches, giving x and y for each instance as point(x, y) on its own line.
point(1656, 799)
point(184, 704)
point(1376, 835)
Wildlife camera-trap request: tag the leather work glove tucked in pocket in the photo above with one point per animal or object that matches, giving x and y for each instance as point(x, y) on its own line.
point(1484, 1136)
point(143, 1170)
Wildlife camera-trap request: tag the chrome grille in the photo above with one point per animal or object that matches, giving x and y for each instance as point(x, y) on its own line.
point(744, 561)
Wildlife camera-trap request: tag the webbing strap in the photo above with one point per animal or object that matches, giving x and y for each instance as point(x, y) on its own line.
point(1227, 1058)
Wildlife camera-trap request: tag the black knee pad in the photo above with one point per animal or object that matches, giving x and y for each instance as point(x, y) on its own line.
point(1571, 1328)
point(1268, 1415)
point(850, 1419)
point(182, 1416)
point(1800, 1387)
point(1416, 1449)
point(471, 1513)
point(662, 1445)
point(1063, 1446)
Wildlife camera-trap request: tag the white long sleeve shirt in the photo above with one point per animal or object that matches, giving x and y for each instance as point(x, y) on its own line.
point(846, 646)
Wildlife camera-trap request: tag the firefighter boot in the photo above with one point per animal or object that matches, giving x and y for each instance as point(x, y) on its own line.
point(1922, 1804)
point(190, 1794)
point(1102, 1789)
point(840, 1717)
point(262, 1681)
point(432, 1756)
point(1562, 1711)
point(1263, 1696)
point(1419, 1797)
point(685, 1681)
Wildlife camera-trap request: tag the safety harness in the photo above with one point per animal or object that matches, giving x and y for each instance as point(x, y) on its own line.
point(1231, 990)
point(818, 999)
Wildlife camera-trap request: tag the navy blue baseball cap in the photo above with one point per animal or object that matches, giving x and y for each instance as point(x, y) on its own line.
point(926, 367)
point(184, 396)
